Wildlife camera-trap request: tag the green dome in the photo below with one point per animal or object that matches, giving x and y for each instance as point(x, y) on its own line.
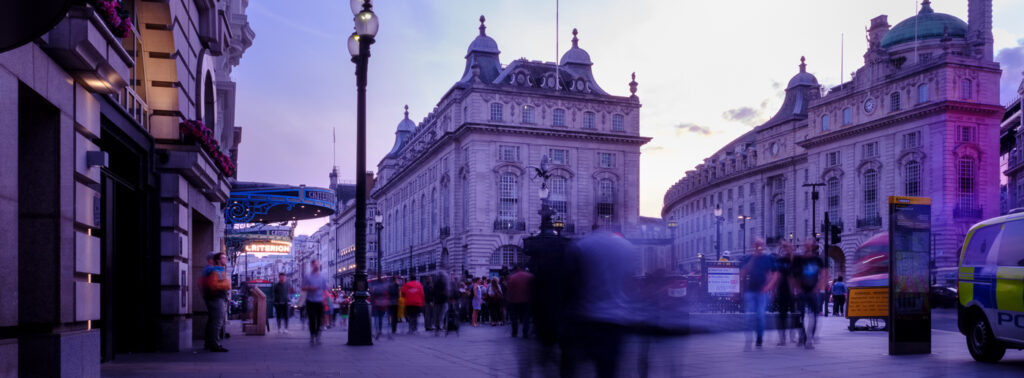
point(929, 25)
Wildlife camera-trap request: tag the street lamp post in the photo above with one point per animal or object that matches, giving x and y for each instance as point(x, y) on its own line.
point(814, 206)
point(718, 232)
point(672, 231)
point(743, 231)
point(366, 25)
point(378, 220)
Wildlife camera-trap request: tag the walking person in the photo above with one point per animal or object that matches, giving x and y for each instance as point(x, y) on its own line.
point(412, 291)
point(810, 275)
point(393, 295)
point(784, 288)
point(495, 298)
point(477, 293)
point(379, 305)
point(428, 310)
point(839, 297)
point(439, 303)
point(519, 300)
point(315, 286)
point(759, 270)
point(281, 291)
point(216, 285)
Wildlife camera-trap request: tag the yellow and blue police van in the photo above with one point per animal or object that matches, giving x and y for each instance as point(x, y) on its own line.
point(991, 287)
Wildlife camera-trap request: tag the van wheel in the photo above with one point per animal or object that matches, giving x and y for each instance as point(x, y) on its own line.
point(982, 343)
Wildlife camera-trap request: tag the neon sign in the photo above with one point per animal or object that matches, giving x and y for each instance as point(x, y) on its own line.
point(272, 246)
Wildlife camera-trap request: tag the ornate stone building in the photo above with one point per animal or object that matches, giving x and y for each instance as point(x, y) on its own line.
point(919, 118)
point(460, 187)
point(111, 209)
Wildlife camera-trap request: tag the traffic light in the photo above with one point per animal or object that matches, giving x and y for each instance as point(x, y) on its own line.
point(835, 231)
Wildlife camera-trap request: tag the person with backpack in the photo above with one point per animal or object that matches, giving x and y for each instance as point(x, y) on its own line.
point(216, 285)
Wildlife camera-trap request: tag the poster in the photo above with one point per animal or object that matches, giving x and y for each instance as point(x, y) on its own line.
point(868, 302)
point(723, 278)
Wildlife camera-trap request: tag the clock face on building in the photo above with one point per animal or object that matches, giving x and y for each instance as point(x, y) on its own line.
point(869, 105)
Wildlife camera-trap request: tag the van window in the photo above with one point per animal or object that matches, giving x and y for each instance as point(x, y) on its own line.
point(1011, 248)
point(981, 244)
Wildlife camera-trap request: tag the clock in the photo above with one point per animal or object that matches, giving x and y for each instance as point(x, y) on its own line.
point(869, 105)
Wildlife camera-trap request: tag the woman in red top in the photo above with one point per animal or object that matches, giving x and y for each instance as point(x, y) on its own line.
point(412, 291)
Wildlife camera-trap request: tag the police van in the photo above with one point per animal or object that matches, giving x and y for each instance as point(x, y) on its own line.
point(991, 287)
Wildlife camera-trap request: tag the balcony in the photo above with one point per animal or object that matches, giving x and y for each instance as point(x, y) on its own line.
point(872, 221)
point(509, 225)
point(445, 232)
point(569, 228)
point(967, 212)
point(84, 46)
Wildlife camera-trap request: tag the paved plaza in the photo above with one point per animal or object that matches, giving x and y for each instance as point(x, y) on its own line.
point(489, 352)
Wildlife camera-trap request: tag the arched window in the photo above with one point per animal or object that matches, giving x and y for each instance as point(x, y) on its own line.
point(434, 230)
point(405, 227)
point(871, 194)
point(496, 111)
point(605, 201)
point(508, 197)
point(825, 123)
point(445, 205)
point(832, 190)
point(966, 190)
point(894, 101)
point(528, 114)
point(412, 223)
point(965, 89)
point(617, 122)
point(558, 117)
point(912, 175)
point(847, 116)
point(780, 218)
point(422, 230)
point(922, 93)
point(464, 203)
point(559, 197)
point(588, 120)
point(508, 256)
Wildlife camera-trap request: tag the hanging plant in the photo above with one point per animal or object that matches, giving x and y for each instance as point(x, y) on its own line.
point(193, 131)
point(115, 15)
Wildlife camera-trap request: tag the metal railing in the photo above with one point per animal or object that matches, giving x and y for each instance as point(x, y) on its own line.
point(509, 225)
point(869, 221)
point(973, 212)
point(129, 98)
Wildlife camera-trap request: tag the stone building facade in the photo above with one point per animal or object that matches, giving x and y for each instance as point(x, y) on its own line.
point(114, 211)
point(460, 189)
point(1011, 146)
point(919, 118)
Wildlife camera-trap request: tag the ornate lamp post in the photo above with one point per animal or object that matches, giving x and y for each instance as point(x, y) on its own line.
point(378, 220)
point(366, 25)
point(718, 232)
point(672, 231)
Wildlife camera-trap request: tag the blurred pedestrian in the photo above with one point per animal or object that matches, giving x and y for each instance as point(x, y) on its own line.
point(783, 288)
point(428, 310)
point(394, 292)
point(216, 285)
point(810, 275)
point(759, 271)
point(315, 286)
point(281, 291)
point(477, 292)
point(495, 302)
point(839, 297)
point(519, 301)
point(438, 302)
point(412, 291)
point(379, 304)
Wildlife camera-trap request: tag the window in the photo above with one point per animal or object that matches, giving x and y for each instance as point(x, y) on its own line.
point(965, 89)
point(980, 245)
point(922, 93)
point(605, 200)
point(422, 231)
point(558, 156)
point(870, 150)
point(558, 196)
point(870, 194)
point(508, 153)
point(588, 120)
point(965, 177)
point(912, 173)
point(824, 123)
point(832, 158)
point(780, 218)
point(617, 122)
point(508, 197)
point(496, 110)
point(605, 160)
point(528, 114)
point(739, 210)
point(752, 208)
point(445, 205)
point(433, 214)
point(965, 134)
point(847, 116)
point(832, 199)
point(558, 117)
point(729, 194)
point(739, 192)
point(1011, 250)
point(753, 189)
point(410, 229)
point(508, 256)
point(894, 101)
point(912, 140)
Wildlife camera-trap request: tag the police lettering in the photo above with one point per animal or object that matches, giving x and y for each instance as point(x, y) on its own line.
point(1018, 320)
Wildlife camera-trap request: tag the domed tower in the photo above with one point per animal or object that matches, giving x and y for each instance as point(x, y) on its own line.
point(576, 61)
point(802, 88)
point(482, 53)
point(389, 164)
point(926, 25)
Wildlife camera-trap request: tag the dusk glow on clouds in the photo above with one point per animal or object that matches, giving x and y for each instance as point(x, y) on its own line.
point(708, 71)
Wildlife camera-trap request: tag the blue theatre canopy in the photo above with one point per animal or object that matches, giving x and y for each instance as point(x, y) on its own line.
point(255, 202)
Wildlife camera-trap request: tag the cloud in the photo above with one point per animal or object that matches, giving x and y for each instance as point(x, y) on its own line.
point(745, 115)
point(1011, 60)
point(687, 127)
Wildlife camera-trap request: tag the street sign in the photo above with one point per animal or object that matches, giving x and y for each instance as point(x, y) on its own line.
point(909, 257)
point(868, 302)
point(723, 278)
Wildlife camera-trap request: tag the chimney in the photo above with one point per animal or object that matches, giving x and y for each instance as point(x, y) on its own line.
point(979, 28)
point(370, 181)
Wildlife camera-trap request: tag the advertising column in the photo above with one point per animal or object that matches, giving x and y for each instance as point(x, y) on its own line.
point(909, 252)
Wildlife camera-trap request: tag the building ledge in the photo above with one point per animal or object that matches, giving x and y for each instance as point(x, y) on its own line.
point(197, 168)
point(83, 45)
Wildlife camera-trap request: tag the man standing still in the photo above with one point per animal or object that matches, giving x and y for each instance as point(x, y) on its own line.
point(281, 292)
point(810, 276)
point(759, 269)
point(216, 285)
point(838, 297)
point(315, 285)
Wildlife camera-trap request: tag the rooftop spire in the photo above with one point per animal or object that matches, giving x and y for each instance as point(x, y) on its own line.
point(575, 41)
point(482, 26)
point(803, 66)
point(926, 7)
point(406, 111)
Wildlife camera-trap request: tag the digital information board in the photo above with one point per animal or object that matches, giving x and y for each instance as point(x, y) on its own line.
point(909, 257)
point(723, 278)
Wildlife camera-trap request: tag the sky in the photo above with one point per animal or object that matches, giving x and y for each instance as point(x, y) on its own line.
point(708, 71)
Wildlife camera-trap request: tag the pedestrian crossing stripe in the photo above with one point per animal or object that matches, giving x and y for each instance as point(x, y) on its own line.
point(1009, 289)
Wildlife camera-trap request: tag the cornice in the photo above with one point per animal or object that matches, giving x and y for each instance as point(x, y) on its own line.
point(757, 170)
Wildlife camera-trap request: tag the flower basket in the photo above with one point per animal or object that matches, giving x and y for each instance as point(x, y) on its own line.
point(114, 15)
point(195, 132)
